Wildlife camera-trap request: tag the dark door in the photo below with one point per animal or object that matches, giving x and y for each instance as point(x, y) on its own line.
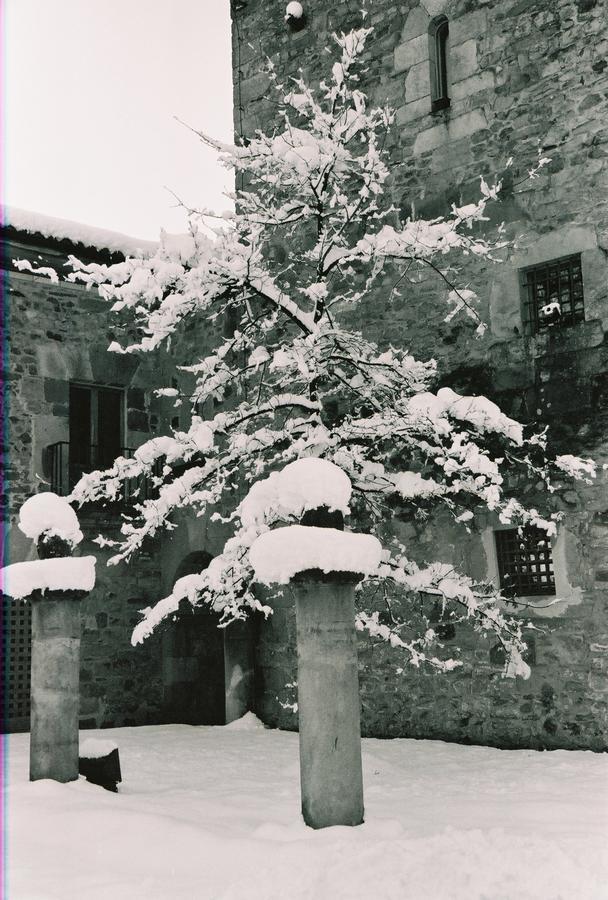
point(80, 432)
point(109, 421)
point(193, 659)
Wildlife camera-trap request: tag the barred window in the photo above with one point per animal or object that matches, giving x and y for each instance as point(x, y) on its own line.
point(553, 294)
point(525, 563)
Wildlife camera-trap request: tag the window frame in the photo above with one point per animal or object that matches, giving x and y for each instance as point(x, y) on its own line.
point(531, 305)
point(439, 36)
point(542, 561)
point(94, 444)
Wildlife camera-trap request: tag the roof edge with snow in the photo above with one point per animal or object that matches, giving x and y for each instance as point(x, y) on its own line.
point(55, 229)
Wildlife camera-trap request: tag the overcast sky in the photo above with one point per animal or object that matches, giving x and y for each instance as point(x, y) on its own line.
point(91, 89)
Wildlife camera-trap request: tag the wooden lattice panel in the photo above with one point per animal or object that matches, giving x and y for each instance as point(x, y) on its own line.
point(18, 652)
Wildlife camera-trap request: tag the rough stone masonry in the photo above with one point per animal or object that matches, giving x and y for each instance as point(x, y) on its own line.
point(523, 76)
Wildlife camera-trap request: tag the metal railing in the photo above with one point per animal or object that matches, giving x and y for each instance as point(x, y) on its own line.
point(66, 471)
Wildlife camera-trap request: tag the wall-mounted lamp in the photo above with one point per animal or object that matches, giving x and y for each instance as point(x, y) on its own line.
point(294, 16)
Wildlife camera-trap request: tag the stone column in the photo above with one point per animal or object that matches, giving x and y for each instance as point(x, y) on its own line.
point(328, 699)
point(55, 685)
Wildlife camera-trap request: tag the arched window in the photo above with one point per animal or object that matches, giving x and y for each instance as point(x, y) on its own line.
point(439, 32)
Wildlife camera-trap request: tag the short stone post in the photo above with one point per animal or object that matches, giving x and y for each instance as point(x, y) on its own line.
point(322, 564)
point(55, 683)
point(55, 584)
point(328, 699)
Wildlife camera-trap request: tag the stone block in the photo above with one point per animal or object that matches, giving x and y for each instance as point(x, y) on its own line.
point(411, 52)
point(474, 24)
point(598, 684)
point(560, 241)
point(434, 7)
point(136, 398)
point(417, 23)
point(505, 308)
point(31, 389)
point(466, 125)
point(473, 85)
point(409, 112)
point(254, 88)
point(137, 420)
point(418, 82)
point(429, 139)
point(463, 61)
point(55, 390)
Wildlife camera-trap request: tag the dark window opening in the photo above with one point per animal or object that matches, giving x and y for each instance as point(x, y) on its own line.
point(525, 563)
point(439, 32)
point(96, 416)
point(553, 294)
point(96, 429)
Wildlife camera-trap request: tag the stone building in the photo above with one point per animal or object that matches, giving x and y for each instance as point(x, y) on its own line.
point(71, 407)
point(473, 83)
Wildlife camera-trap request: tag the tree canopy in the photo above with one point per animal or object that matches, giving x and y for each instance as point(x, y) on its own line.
point(314, 228)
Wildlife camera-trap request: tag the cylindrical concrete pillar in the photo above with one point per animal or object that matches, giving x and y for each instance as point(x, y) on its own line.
point(55, 685)
point(328, 700)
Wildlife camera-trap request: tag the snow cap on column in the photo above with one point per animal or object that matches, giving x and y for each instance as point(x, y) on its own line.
point(304, 484)
point(276, 556)
point(310, 483)
point(51, 515)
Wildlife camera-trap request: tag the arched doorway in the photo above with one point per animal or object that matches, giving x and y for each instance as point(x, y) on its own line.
point(193, 659)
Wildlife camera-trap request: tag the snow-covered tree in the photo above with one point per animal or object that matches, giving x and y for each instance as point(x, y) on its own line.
point(307, 385)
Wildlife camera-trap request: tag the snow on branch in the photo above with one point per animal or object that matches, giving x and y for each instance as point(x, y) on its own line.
point(24, 265)
point(313, 235)
point(576, 467)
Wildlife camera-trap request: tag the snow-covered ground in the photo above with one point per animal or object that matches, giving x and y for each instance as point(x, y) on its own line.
point(213, 814)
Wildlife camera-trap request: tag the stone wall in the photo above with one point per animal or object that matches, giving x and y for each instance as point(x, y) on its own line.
point(187, 671)
point(523, 77)
point(58, 333)
point(119, 684)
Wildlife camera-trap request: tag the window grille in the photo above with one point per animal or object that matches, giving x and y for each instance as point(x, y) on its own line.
point(17, 653)
point(553, 294)
point(439, 31)
point(525, 563)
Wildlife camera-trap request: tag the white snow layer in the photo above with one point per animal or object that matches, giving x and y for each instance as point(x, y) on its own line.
point(214, 814)
point(248, 722)
point(304, 484)
point(185, 588)
point(276, 556)
point(52, 227)
point(576, 467)
point(47, 513)
point(478, 411)
point(412, 484)
point(71, 573)
point(92, 748)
